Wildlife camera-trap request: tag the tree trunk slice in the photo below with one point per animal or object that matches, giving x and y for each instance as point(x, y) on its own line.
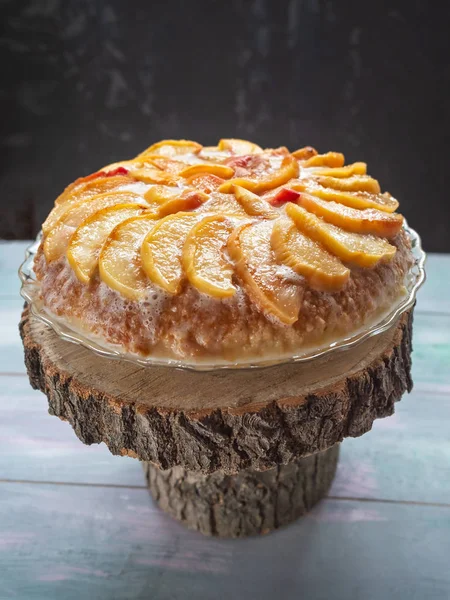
point(226, 421)
point(249, 503)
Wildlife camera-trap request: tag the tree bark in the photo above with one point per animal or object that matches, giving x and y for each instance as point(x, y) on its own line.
point(249, 503)
point(226, 421)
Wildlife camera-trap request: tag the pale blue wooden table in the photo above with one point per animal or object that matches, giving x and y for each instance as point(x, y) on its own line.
point(76, 522)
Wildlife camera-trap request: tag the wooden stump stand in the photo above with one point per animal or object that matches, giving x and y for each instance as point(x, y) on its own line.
point(249, 503)
point(227, 453)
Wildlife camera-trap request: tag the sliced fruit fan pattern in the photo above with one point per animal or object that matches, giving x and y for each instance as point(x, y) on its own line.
point(219, 215)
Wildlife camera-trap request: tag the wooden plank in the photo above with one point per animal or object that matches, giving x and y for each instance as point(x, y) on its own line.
point(435, 294)
point(431, 352)
point(11, 256)
point(11, 351)
point(405, 457)
point(71, 543)
point(36, 447)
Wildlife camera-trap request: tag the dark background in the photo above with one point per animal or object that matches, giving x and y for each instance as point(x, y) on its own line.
point(88, 82)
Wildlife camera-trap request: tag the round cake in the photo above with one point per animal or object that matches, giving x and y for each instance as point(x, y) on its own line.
point(228, 252)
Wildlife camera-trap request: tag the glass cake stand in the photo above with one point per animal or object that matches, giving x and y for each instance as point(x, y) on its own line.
point(30, 291)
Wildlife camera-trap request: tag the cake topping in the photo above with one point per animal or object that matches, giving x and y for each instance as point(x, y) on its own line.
point(87, 241)
point(307, 257)
point(57, 239)
point(204, 260)
point(369, 220)
point(221, 217)
point(250, 248)
point(120, 264)
point(357, 249)
point(162, 250)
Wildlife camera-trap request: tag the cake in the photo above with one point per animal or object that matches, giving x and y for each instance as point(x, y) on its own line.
point(228, 252)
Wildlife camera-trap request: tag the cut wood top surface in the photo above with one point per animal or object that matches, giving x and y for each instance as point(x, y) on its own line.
point(200, 393)
point(219, 421)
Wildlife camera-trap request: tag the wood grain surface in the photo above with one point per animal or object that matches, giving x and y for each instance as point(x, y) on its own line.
point(91, 542)
point(248, 503)
point(76, 521)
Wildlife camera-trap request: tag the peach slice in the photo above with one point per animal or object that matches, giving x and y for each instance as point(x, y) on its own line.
point(355, 183)
point(256, 266)
point(212, 168)
point(384, 202)
point(330, 159)
point(166, 164)
point(121, 165)
point(280, 196)
point(361, 250)
point(204, 260)
point(171, 148)
point(105, 172)
point(249, 165)
point(162, 250)
point(237, 146)
point(143, 169)
point(205, 182)
point(149, 173)
point(188, 200)
point(306, 257)
point(357, 168)
point(223, 204)
point(369, 220)
point(120, 264)
point(158, 194)
point(110, 172)
point(267, 179)
point(304, 153)
point(213, 154)
point(280, 151)
point(96, 183)
point(253, 204)
point(57, 239)
point(83, 191)
point(86, 243)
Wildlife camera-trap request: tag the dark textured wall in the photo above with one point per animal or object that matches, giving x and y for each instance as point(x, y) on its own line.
point(87, 82)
